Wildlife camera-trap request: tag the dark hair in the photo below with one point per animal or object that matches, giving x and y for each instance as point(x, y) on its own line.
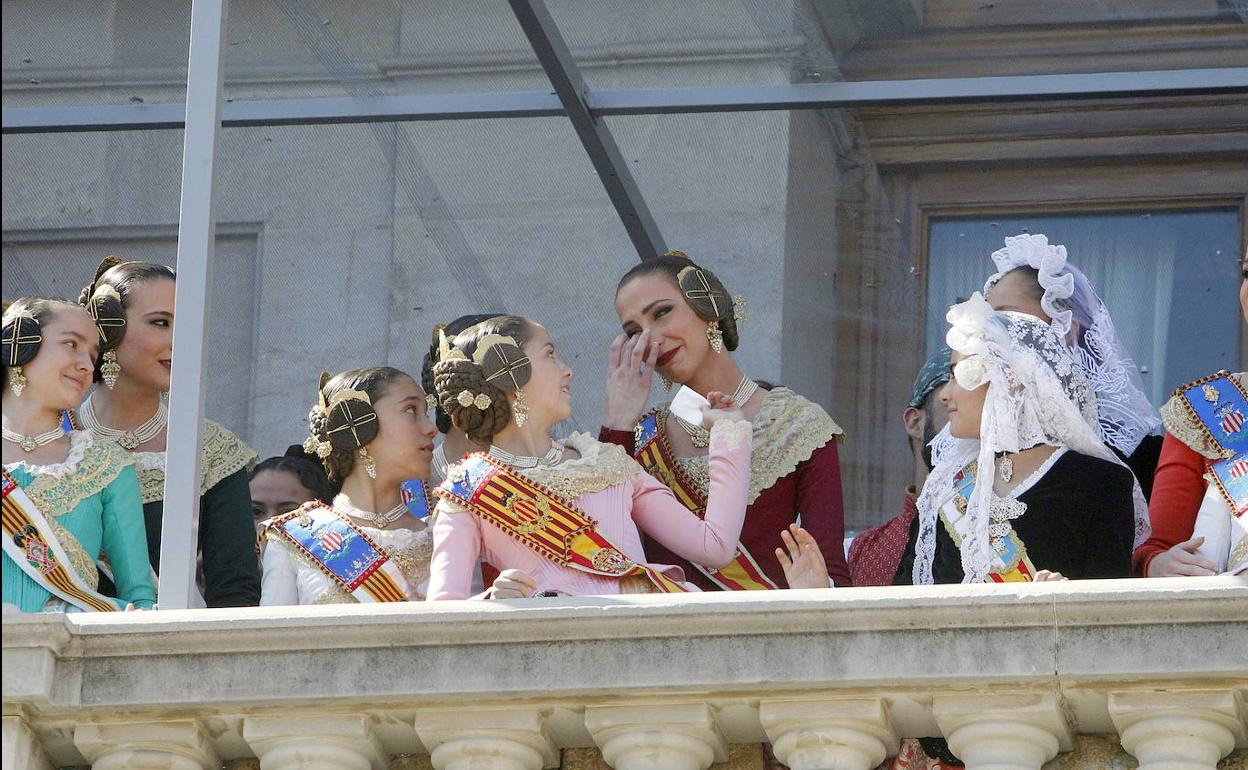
point(671, 264)
point(374, 381)
point(440, 417)
point(123, 277)
point(455, 375)
point(299, 464)
point(43, 310)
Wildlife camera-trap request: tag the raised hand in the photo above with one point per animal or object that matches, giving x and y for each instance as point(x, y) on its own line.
point(513, 584)
point(630, 370)
point(803, 565)
point(720, 407)
point(1182, 560)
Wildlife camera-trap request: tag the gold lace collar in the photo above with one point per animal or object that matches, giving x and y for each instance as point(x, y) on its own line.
point(223, 454)
point(598, 467)
point(1184, 425)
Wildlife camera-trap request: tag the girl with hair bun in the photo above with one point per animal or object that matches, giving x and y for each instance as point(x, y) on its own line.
point(680, 322)
point(68, 498)
point(563, 517)
point(126, 410)
point(371, 430)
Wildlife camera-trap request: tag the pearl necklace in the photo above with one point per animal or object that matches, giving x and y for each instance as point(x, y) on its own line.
point(128, 440)
point(522, 461)
point(700, 436)
point(31, 443)
point(379, 520)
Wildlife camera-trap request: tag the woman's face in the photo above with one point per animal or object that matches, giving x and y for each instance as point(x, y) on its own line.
point(965, 407)
point(1015, 291)
point(274, 492)
point(653, 301)
point(404, 443)
point(60, 372)
point(548, 393)
point(146, 352)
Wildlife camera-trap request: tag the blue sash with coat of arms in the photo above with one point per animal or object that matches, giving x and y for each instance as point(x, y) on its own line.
point(1220, 404)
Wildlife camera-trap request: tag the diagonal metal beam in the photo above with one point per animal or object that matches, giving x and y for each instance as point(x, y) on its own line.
point(603, 152)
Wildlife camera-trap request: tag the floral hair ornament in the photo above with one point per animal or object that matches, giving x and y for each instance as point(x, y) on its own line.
point(968, 335)
point(314, 444)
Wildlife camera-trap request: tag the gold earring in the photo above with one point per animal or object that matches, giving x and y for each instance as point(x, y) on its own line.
point(667, 384)
point(370, 465)
point(520, 410)
point(715, 336)
point(110, 369)
point(17, 381)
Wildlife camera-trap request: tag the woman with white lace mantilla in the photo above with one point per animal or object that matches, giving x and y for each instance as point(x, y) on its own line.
point(563, 517)
point(126, 410)
point(371, 429)
point(1033, 277)
point(680, 321)
point(1025, 489)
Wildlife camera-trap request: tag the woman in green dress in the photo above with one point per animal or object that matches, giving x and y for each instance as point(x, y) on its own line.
point(67, 497)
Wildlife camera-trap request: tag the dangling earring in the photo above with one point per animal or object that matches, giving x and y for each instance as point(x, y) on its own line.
point(370, 465)
point(17, 381)
point(520, 410)
point(667, 384)
point(715, 336)
point(110, 369)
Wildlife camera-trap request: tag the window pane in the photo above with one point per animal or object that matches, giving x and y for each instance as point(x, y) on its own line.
point(1167, 278)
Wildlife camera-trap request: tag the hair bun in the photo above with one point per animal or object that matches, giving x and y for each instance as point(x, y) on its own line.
point(109, 315)
point(351, 422)
point(21, 337)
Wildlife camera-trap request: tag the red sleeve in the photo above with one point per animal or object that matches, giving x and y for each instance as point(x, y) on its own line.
point(823, 512)
point(622, 437)
point(1178, 489)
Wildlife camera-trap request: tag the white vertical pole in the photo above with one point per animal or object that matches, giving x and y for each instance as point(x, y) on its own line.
point(196, 234)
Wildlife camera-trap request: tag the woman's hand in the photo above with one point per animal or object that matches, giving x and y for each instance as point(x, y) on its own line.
point(1044, 576)
point(1181, 560)
point(512, 584)
point(720, 407)
point(630, 370)
point(803, 565)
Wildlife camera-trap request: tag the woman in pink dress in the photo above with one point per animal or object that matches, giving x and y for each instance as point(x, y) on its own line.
point(563, 517)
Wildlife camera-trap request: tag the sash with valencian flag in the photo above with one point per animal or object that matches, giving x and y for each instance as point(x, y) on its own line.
point(653, 453)
point(342, 551)
point(1220, 404)
point(542, 521)
point(1011, 564)
point(32, 545)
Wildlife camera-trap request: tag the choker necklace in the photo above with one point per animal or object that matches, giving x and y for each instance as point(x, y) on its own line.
point(522, 461)
point(700, 436)
point(31, 443)
point(128, 440)
point(379, 520)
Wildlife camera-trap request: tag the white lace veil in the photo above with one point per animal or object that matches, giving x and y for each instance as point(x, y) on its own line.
point(1037, 394)
point(1125, 414)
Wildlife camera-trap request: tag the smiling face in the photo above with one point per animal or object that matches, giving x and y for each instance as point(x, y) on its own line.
point(404, 443)
point(964, 407)
point(548, 393)
point(146, 352)
point(653, 301)
point(60, 372)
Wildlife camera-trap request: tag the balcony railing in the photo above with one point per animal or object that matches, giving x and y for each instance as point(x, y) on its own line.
point(1011, 675)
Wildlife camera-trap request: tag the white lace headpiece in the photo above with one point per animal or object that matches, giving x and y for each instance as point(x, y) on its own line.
point(1037, 394)
point(1126, 416)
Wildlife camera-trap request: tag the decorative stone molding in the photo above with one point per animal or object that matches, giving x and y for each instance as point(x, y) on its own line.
point(315, 742)
point(1004, 732)
point(848, 734)
point(21, 748)
point(674, 736)
point(1180, 730)
point(179, 745)
point(486, 739)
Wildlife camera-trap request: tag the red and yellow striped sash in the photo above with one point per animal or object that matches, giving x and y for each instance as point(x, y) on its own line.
point(31, 544)
point(655, 455)
point(542, 521)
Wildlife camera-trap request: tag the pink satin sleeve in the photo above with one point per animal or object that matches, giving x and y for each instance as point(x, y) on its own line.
point(456, 550)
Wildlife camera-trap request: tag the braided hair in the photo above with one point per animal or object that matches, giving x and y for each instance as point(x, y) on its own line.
point(440, 417)
point(454, 376)
point(374, 381)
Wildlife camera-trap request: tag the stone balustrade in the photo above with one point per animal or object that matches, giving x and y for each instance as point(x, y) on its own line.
point(1012, 675)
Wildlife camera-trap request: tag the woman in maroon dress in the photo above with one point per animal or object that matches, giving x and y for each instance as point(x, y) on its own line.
point(679, 320)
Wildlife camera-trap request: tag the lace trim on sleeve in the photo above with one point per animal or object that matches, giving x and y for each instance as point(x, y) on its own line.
point(787, 430)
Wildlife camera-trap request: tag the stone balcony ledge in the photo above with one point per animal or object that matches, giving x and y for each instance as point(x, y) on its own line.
point(542, 675)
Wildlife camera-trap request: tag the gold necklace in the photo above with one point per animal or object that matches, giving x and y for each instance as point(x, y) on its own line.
point(31, 443)
point(700, 436)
